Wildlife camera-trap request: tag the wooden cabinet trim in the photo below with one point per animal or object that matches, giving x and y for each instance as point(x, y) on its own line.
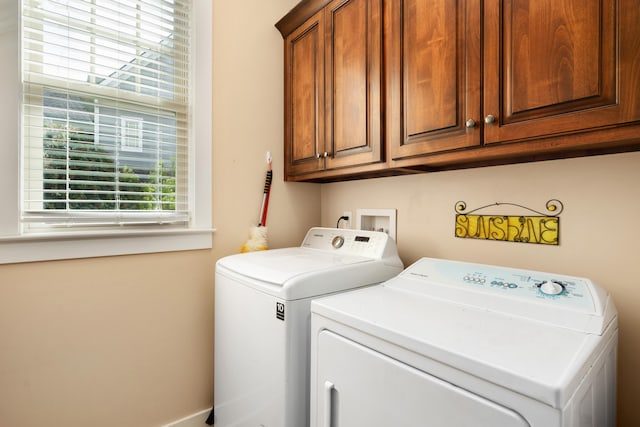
point(615, 139)
point(299, 14)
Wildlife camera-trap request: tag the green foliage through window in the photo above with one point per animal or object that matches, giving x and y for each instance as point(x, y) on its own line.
point(80, 175)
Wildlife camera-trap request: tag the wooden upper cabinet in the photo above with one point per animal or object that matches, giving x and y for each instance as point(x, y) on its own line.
point(382, 87)
point(432, 59)
point(333, 75)
point(304, 97)
point(559, 66)
point(353, 66)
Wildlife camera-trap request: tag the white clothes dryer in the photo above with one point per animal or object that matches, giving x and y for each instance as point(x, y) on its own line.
point(454, 344)
point(262, 320)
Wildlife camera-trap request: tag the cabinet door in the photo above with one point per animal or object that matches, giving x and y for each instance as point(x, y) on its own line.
point(559, 66)
point(304, 97)
point(353, 51)
point(433, 66)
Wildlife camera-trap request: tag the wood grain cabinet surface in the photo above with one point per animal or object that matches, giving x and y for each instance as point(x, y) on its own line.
point(392, 86)
point(432, 63)
point(333, 83)
point(557, 66)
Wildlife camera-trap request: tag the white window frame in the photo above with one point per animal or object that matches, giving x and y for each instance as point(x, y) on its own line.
point(18, 247)
point(125, 137)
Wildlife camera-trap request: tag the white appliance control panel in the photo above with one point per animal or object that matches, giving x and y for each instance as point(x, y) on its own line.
point(369, 244)
point(570, 291)
point(574, 302)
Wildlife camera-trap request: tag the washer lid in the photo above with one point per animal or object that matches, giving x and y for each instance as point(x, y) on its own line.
point(277, 266)
point(532, 357)
point(329, 260)
point(296, 273)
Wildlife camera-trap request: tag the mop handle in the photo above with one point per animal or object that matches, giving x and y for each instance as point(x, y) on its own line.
point(266, 193)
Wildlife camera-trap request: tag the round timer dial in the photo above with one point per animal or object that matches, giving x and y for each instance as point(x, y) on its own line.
point(551, 287)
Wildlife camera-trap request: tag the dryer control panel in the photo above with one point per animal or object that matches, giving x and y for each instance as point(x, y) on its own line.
point(574, 302)
point(564, 290)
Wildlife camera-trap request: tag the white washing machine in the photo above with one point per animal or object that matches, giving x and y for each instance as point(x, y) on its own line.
point(451, 344)
point(262, 320)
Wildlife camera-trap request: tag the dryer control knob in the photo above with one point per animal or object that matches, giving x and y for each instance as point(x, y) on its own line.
point(551, 288)
point(337, 242)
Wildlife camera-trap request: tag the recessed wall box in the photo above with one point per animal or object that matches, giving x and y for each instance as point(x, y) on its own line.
point(377, 220)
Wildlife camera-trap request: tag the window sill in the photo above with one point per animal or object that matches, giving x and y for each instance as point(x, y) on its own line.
point(73, 245)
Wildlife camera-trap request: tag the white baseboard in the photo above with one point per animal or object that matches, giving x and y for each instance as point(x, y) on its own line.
point(198, 419)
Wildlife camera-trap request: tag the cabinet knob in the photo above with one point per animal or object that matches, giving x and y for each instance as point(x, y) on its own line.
point(489, 119)
point(470, 123)
point(318, 155)
point(325, 155)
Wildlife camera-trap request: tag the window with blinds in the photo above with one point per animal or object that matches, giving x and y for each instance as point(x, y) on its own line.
point(105, 112)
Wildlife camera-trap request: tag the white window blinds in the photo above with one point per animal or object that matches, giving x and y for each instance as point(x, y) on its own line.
point(105, 112)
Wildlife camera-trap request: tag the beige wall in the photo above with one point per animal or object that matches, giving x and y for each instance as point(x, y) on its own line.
point(598, 229)
point(115, 341)
point(128, 341)
point(248, 122)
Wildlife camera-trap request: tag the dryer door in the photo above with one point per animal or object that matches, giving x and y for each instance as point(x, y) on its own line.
point(358, 387)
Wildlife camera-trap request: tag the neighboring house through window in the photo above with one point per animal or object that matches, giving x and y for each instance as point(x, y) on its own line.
point(131, 134)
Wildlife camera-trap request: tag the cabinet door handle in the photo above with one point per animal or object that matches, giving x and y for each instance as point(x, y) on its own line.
point(328, 389)
point(318, 155)
point(470, 123)
point(326, 155)
point(489, 119)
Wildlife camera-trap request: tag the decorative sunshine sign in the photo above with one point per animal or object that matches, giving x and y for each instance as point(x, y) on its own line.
point(541, 229)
